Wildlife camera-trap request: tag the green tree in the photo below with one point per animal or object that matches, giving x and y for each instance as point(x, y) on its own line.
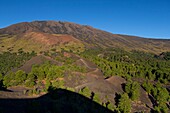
point(124, 104)
point(8, 79)
point(41, 73)
point(1, 77)
point(30, 82)
point(86, 92)
point(20, 77)
point(58, 84)
point(161, 108)
point(96, 98)
point(48, 85)
point(133, 90)
point(147, 86)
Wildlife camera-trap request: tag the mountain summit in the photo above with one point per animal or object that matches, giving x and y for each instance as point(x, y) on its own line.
point(89, 36)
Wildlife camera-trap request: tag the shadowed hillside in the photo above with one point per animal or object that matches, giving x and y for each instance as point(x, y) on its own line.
point(56, 101)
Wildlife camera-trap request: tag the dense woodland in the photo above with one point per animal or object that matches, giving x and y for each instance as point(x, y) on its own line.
point(152, 72)
point(131, 64)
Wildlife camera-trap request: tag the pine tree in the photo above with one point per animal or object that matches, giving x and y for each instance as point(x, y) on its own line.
point(124, 104)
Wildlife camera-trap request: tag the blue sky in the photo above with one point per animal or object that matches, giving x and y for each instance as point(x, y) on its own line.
point(145, 18)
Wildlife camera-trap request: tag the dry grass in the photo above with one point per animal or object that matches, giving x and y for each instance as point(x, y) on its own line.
point(40, 42)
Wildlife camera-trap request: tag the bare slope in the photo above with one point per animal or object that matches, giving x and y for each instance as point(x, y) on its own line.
point(39, 41)
point(91, 37)
point(40, 59)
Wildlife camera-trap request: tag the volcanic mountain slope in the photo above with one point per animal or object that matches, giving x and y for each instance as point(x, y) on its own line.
point(39, 41)
point(89, 36)
point(93, 79)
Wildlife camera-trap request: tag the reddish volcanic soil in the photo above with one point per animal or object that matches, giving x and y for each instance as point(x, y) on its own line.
point(49, 39)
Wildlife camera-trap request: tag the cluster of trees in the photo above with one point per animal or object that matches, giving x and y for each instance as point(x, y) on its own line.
point(133, 90)
point(123, 101)
point(41, 77)
point(14, 79)
point(160, 94)
point(112, 62)
point(124, 104)
point(90, 94)
point(11, 60)
point(46, 74)
point(130, 64)
point(38, 73)
point(135, 64)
